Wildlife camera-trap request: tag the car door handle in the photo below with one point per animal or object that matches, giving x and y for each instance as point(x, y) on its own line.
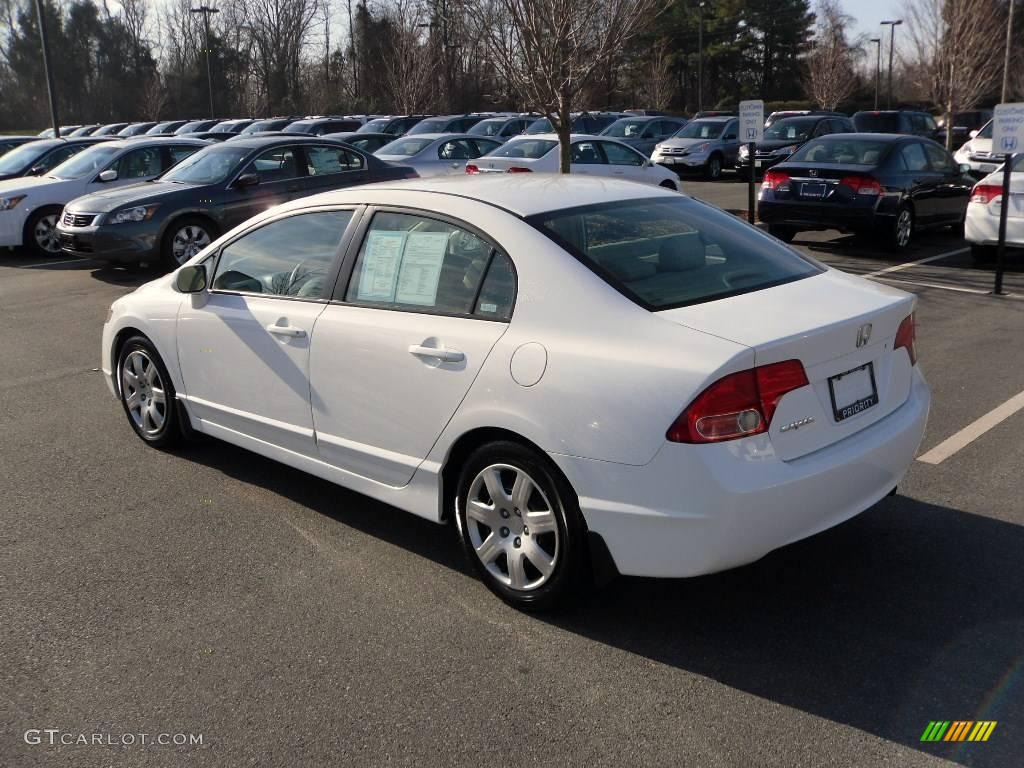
point(438, 353)
point(286, 330)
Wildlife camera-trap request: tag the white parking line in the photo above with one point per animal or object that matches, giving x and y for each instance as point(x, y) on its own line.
point(53, 263)
point(909, 264)
point(973, 431)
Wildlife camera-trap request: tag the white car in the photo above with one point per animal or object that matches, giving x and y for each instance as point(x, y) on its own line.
point(31, 206)
point(977, 152)
point(591, 156)
point(436, 154)
point(579, 373)
point(981, 227)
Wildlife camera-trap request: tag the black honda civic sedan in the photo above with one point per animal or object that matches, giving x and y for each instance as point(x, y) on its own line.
point(173, 217)
point(886, 185)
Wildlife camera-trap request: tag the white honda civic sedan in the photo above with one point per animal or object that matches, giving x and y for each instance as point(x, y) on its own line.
point(981, 226)
point(583, 375)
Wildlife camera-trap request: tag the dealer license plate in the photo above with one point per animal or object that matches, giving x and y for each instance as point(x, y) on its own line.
point(853, 392)
point(812, 189)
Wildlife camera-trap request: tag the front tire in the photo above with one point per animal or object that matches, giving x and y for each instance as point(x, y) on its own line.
point(147, 393)
point(713, 169)
point(520, 526)
point(41, 232)
point(185, 238)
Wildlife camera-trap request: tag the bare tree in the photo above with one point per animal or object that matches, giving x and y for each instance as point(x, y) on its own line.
point(409, 69)
point(658, 85)
point(832, 62)
point(154, 97)
point(549, 50)
point(279, 30)
point(951, 55)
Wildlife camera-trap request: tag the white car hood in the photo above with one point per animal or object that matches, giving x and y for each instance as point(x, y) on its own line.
point(43, 188)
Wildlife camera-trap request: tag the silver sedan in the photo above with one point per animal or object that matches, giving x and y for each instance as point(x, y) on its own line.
point(436, 154)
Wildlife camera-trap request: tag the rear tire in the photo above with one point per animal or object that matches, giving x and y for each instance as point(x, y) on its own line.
point(901, 231)
point(40, 235)
point(505, 489)
point(785, 234)
point(147, 393)
point(983, 254)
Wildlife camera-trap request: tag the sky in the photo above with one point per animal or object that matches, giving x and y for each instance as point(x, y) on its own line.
point(869, 12)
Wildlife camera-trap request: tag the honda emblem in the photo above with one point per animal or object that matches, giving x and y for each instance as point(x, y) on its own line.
point(863, 334)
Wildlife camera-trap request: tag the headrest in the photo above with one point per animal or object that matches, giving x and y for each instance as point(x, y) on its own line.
point(628, 270)
point(680, 253)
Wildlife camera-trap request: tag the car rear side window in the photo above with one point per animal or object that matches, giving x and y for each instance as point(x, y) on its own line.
point(914, 158)
point(941, 162)
point(665, 253)
point(288, 257)
point(526, 148)
point(420, 264)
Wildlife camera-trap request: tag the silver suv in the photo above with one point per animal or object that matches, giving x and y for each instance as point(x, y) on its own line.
point(705, 145)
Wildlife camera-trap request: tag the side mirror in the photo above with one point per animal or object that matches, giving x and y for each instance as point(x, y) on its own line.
point(108, 175)
point(191, 279)
point(974, 134)
point(965, 168)
point(247, 180)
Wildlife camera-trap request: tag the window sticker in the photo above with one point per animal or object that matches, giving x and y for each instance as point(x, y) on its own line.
point(421, 268)
point(381, 258)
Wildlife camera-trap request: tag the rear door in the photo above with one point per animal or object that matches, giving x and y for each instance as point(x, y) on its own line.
point(953, 192)
point(398, 348)
point(922, 182)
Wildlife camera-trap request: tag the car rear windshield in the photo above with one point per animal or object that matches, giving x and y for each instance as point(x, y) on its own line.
point(375, 126)
point(877, 122)
point(429, 126)
point(829, 151)
point(528, 148)
point(701, 129)
point(664, 253)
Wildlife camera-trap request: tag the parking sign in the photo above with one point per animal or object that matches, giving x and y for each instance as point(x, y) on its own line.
point(1008, 129)
point(751, 121)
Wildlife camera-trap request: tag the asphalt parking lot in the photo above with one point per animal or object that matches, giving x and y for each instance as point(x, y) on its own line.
point(294, 623)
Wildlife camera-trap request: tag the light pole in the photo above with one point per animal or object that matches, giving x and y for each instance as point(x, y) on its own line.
point(878, 65)
point(1006, 56)
point(700, 55)
point(892, 41)
point(47, 70)
point(206, 11)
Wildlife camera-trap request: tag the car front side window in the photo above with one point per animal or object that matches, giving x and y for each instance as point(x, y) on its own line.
point(286, 258)
point(139, 164)
point(419, 264)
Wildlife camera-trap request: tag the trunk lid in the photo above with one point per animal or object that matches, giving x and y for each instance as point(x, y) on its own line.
point(842, 329)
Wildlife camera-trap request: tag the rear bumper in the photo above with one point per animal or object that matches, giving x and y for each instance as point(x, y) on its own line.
point(981, 227)
point(810, 215)
point(700, 509)
point(123, 243)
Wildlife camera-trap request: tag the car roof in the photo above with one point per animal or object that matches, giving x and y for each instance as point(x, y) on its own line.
point(715, 119)
point(142, 141)
point(257, 142)
point(893, 137)
point(521, 195)
point(435, 136)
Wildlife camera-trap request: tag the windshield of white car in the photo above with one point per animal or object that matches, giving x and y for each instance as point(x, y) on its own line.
point(21, 158)
point(86, 162)
point(663, 253)
point(701, 129)
point(208, 166)
point(986, 131)
point(791, 129)
point(836, 151)
point(530, 149)
point(405, 147)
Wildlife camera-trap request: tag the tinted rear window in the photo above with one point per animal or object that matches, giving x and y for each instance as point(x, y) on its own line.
point(834, 151)
point(869, 122)
point(665, 253)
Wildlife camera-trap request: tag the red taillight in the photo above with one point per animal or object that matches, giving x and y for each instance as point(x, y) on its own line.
point(986, 193)
point(737, 405)
point(518, 169)
point(862, 185)
point(470, 168)
point(906, 336)
point(775, 180)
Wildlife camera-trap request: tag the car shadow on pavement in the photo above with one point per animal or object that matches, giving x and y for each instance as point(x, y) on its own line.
point(114, 275)
point(909, 613)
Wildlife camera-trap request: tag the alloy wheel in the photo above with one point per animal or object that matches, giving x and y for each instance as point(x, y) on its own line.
point(143, 392)
point(188, 241)
point(512, 527)
point(904, 227)
point(45, 233)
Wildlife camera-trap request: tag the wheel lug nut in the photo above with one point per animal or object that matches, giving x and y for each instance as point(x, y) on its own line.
point(517, 542)
point(504, 513)
point(526, 531)
point(504, 531)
